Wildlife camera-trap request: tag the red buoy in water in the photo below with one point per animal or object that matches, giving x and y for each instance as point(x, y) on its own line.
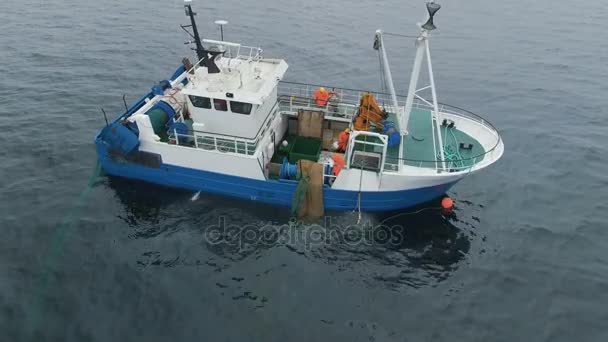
point(447, 203)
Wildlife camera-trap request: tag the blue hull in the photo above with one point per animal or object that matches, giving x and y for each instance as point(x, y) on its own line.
point(275, 192)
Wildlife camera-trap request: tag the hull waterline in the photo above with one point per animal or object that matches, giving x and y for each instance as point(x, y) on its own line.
point(274, 192)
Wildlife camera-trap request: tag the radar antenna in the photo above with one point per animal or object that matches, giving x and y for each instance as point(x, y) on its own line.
point(432, 7)
point(221, 24)
point(206, 57)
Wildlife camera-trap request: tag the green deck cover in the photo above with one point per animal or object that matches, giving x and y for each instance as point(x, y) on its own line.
point(418, 147)
point(419, 143)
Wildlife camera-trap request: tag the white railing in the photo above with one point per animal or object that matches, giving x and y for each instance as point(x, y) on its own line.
point(301, 94)
point(342, 106)
point(334, 109)
point(461, 164)
point(377, 141)
point(213, 142)
point(328, 178)
point(223, 143)
point(238, 51)
point(346, 95)
point(451, 110)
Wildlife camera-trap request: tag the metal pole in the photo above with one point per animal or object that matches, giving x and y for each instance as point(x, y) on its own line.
point(420, 42)
point(435, 104)
point(388, 78)
point(387, 74)
point(221, 24)
point(200, 51)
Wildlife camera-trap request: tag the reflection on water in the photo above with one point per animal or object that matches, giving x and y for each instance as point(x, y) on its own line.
point(142, 202)
point(433, 247)
point(418, 247)
point(414, 248)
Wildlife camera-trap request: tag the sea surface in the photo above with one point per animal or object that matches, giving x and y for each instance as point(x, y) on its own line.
point(86, 257)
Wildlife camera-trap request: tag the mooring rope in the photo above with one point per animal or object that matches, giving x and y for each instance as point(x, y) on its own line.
point(409, 213)
point(451, 154)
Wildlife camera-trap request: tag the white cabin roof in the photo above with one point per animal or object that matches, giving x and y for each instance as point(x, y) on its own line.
point(248, 80)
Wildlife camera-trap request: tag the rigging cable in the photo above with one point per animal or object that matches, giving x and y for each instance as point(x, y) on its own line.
point(437, 34)
point(399, 35)
point(54, 249)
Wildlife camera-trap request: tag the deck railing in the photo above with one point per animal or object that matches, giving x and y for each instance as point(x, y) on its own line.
point(464, 164)
point(220, 142)
point(460, 164)
point(236, 50)
point(344, 106)
point(213, 142)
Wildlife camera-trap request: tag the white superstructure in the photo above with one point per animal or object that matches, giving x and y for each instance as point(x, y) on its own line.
point(230, 114)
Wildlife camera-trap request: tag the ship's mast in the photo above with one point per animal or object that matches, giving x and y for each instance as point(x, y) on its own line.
point(422, 50)
point(200, 51)
point(388, 77)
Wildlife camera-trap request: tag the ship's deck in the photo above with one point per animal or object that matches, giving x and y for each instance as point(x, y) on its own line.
point(418, 146)
point(419, 149)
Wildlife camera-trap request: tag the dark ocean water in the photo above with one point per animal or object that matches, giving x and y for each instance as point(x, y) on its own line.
point(92, 258)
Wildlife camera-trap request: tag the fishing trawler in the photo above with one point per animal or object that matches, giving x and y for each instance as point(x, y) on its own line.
point(228, 124)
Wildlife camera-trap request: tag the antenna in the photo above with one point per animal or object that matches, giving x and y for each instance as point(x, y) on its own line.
point(221, 24)
point(432, 7)
point(105, 116)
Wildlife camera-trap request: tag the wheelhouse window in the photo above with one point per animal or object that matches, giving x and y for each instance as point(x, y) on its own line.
point(221, 105)
point(240, 107)
point(200, 102)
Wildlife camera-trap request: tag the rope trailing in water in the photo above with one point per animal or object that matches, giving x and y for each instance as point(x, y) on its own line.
point(55, 247)
point(409, 213)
